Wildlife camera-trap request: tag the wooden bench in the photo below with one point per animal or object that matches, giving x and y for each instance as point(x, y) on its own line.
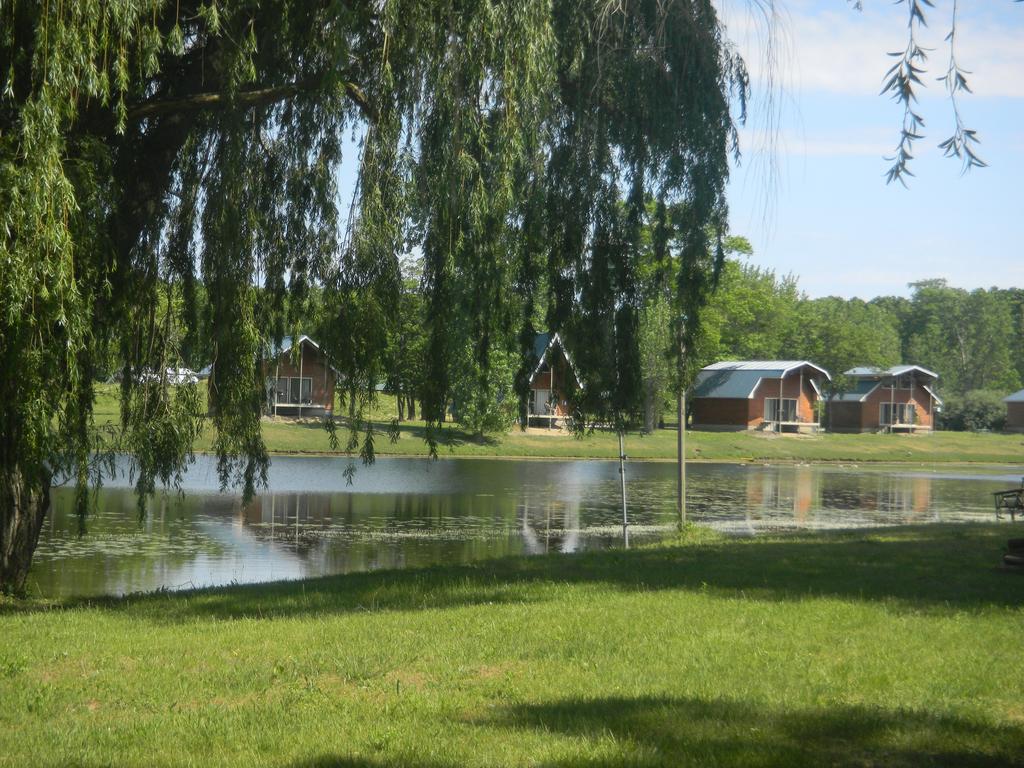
point(1011, 501)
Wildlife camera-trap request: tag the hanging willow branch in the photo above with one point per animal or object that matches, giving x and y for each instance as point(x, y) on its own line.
point(168, 195)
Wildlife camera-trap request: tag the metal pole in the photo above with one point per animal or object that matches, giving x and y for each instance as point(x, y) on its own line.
point(681, 437)
point(681, 454)
point(622, 484)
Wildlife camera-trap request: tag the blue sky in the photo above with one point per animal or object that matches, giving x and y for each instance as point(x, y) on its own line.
point(814, 202)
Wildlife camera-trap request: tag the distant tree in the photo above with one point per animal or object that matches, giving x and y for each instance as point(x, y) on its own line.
point(1014, 299)
point(967, 337)
point(406, 344)
point(751, 316)
point(484, 402)
point(840, 334)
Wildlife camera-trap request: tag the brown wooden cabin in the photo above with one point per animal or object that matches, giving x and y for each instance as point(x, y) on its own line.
point(551, 382)
point(775, 395)
point(897, 399)
point(300, 383)
point(1015, 412)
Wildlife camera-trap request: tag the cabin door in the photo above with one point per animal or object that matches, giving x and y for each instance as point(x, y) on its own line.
point(540, 401)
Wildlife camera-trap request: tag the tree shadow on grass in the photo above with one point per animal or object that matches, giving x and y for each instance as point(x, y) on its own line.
point(668, 731)
point(939, 568)
point(450, 436)
point(656, 731)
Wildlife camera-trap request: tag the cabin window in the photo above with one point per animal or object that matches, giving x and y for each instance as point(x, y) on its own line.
point(898, 413)
point(772, 411)
point(906, 381)
point(292, 390)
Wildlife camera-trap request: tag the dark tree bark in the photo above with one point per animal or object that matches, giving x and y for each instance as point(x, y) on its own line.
point(25, 504)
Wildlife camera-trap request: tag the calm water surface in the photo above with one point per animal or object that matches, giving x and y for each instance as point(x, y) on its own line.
point(413, 512)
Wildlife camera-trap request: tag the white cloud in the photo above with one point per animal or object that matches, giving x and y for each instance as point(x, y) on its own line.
point(828, 47)
point(870, 143)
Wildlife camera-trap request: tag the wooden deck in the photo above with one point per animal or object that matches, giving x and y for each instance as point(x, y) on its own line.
point(796, 427)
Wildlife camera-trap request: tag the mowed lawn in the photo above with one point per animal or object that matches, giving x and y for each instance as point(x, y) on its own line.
point(900, 647)
point(310, 437)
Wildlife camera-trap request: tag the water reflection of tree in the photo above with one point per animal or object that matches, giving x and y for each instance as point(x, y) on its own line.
point(345, 532)
point(119, 552)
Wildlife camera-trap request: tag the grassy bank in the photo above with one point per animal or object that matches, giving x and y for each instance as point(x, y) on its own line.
point(287, 436)
point(897, 647)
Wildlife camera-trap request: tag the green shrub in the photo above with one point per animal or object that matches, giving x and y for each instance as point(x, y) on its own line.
point(977, 410)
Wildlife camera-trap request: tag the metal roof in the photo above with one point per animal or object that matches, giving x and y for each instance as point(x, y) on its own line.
point(931, 392)
point(1016, 397)
point(543, 342)
point(896, 370)
point(737, 379)
point(858, 392)
point(771, 366)
point(540, 344)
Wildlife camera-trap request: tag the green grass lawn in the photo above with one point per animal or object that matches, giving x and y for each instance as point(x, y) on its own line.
point(900, 647)
point(285, 436)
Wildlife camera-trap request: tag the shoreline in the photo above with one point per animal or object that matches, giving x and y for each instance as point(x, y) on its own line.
point(875, 463)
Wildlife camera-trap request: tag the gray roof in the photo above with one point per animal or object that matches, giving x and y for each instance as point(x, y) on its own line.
point(855, 394)
point(737, 379)
point(776, 367)
point(896, 370)
point(540, 344)
point(865, 384)
point(1016, 397)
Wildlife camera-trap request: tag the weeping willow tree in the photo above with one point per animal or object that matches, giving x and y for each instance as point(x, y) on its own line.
point(152, 149)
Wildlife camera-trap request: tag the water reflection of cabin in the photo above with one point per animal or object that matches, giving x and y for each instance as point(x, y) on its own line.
point(775, 395)
point(897, 399)
point(302, 382)
point(1015, 412)
point(551, 381)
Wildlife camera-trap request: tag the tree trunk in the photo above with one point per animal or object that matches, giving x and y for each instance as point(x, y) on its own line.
point(23, 507)
point(401, 406)
point(650, 400)
point(412, 408)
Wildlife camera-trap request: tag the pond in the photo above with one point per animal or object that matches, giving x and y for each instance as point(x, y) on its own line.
point(414, 512)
